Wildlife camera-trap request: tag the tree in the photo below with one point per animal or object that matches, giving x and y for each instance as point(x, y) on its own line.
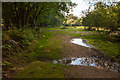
point(72, 20)
point(18, 14)
point(103, 15)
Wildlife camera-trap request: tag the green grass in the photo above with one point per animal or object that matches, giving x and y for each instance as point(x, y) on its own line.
point(48, 47)
point(40, 69)
point(68, 29)
point(74, 29)
point(104, 43)
point(47, 44)
point(53, 28)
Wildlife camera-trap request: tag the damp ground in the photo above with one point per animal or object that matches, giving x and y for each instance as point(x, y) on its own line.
point(81, 61)
point(86, 61)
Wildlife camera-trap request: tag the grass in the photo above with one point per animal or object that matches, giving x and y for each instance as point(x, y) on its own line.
point(68, 28)
point(43, 45)
point(104, 43)
point(47, 45)
point(69, 31)
point(40, 69)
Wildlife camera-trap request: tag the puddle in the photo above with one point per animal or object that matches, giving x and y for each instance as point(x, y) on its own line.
point(81, 42)
point(93, 62)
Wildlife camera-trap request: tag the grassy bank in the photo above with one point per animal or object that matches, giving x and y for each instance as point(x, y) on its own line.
point(41, 70)
point(105, 43)
point(109, 44)
point(36, 48)
point(21, 47)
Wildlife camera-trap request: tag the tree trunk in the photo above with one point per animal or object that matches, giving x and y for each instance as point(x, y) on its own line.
point(84, 27)
point(97, 28)
point(89, 28)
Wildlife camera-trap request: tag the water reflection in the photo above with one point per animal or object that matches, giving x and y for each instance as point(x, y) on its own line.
point(81, 42)
point(84, 61)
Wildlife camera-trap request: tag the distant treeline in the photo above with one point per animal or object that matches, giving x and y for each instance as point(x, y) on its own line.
point(72, 20)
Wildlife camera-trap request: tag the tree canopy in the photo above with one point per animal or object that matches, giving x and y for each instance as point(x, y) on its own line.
point(72, 20)
point(104, 15)
point(18, 14)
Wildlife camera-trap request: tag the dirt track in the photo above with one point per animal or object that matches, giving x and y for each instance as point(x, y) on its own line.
point(72, 50)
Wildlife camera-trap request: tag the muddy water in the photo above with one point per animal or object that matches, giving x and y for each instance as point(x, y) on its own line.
point(85, 61)
point(80, 41)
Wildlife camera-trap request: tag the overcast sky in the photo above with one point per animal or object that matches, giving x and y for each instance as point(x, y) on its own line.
point(82, 5)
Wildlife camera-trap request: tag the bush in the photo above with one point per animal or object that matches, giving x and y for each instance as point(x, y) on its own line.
point(16, 40)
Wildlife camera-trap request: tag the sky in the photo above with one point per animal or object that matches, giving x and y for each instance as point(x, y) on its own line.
point(82, 5)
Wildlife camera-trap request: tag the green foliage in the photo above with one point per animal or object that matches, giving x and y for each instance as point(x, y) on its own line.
point(16, 40)
point(44, 45)
point(72, 20)
point(7, 63)
point(18, 15)
point(7, 46)
point(103, 15)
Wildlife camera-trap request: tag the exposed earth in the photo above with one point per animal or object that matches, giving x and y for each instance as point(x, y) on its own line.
point(70, 50)
point(73, 50)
